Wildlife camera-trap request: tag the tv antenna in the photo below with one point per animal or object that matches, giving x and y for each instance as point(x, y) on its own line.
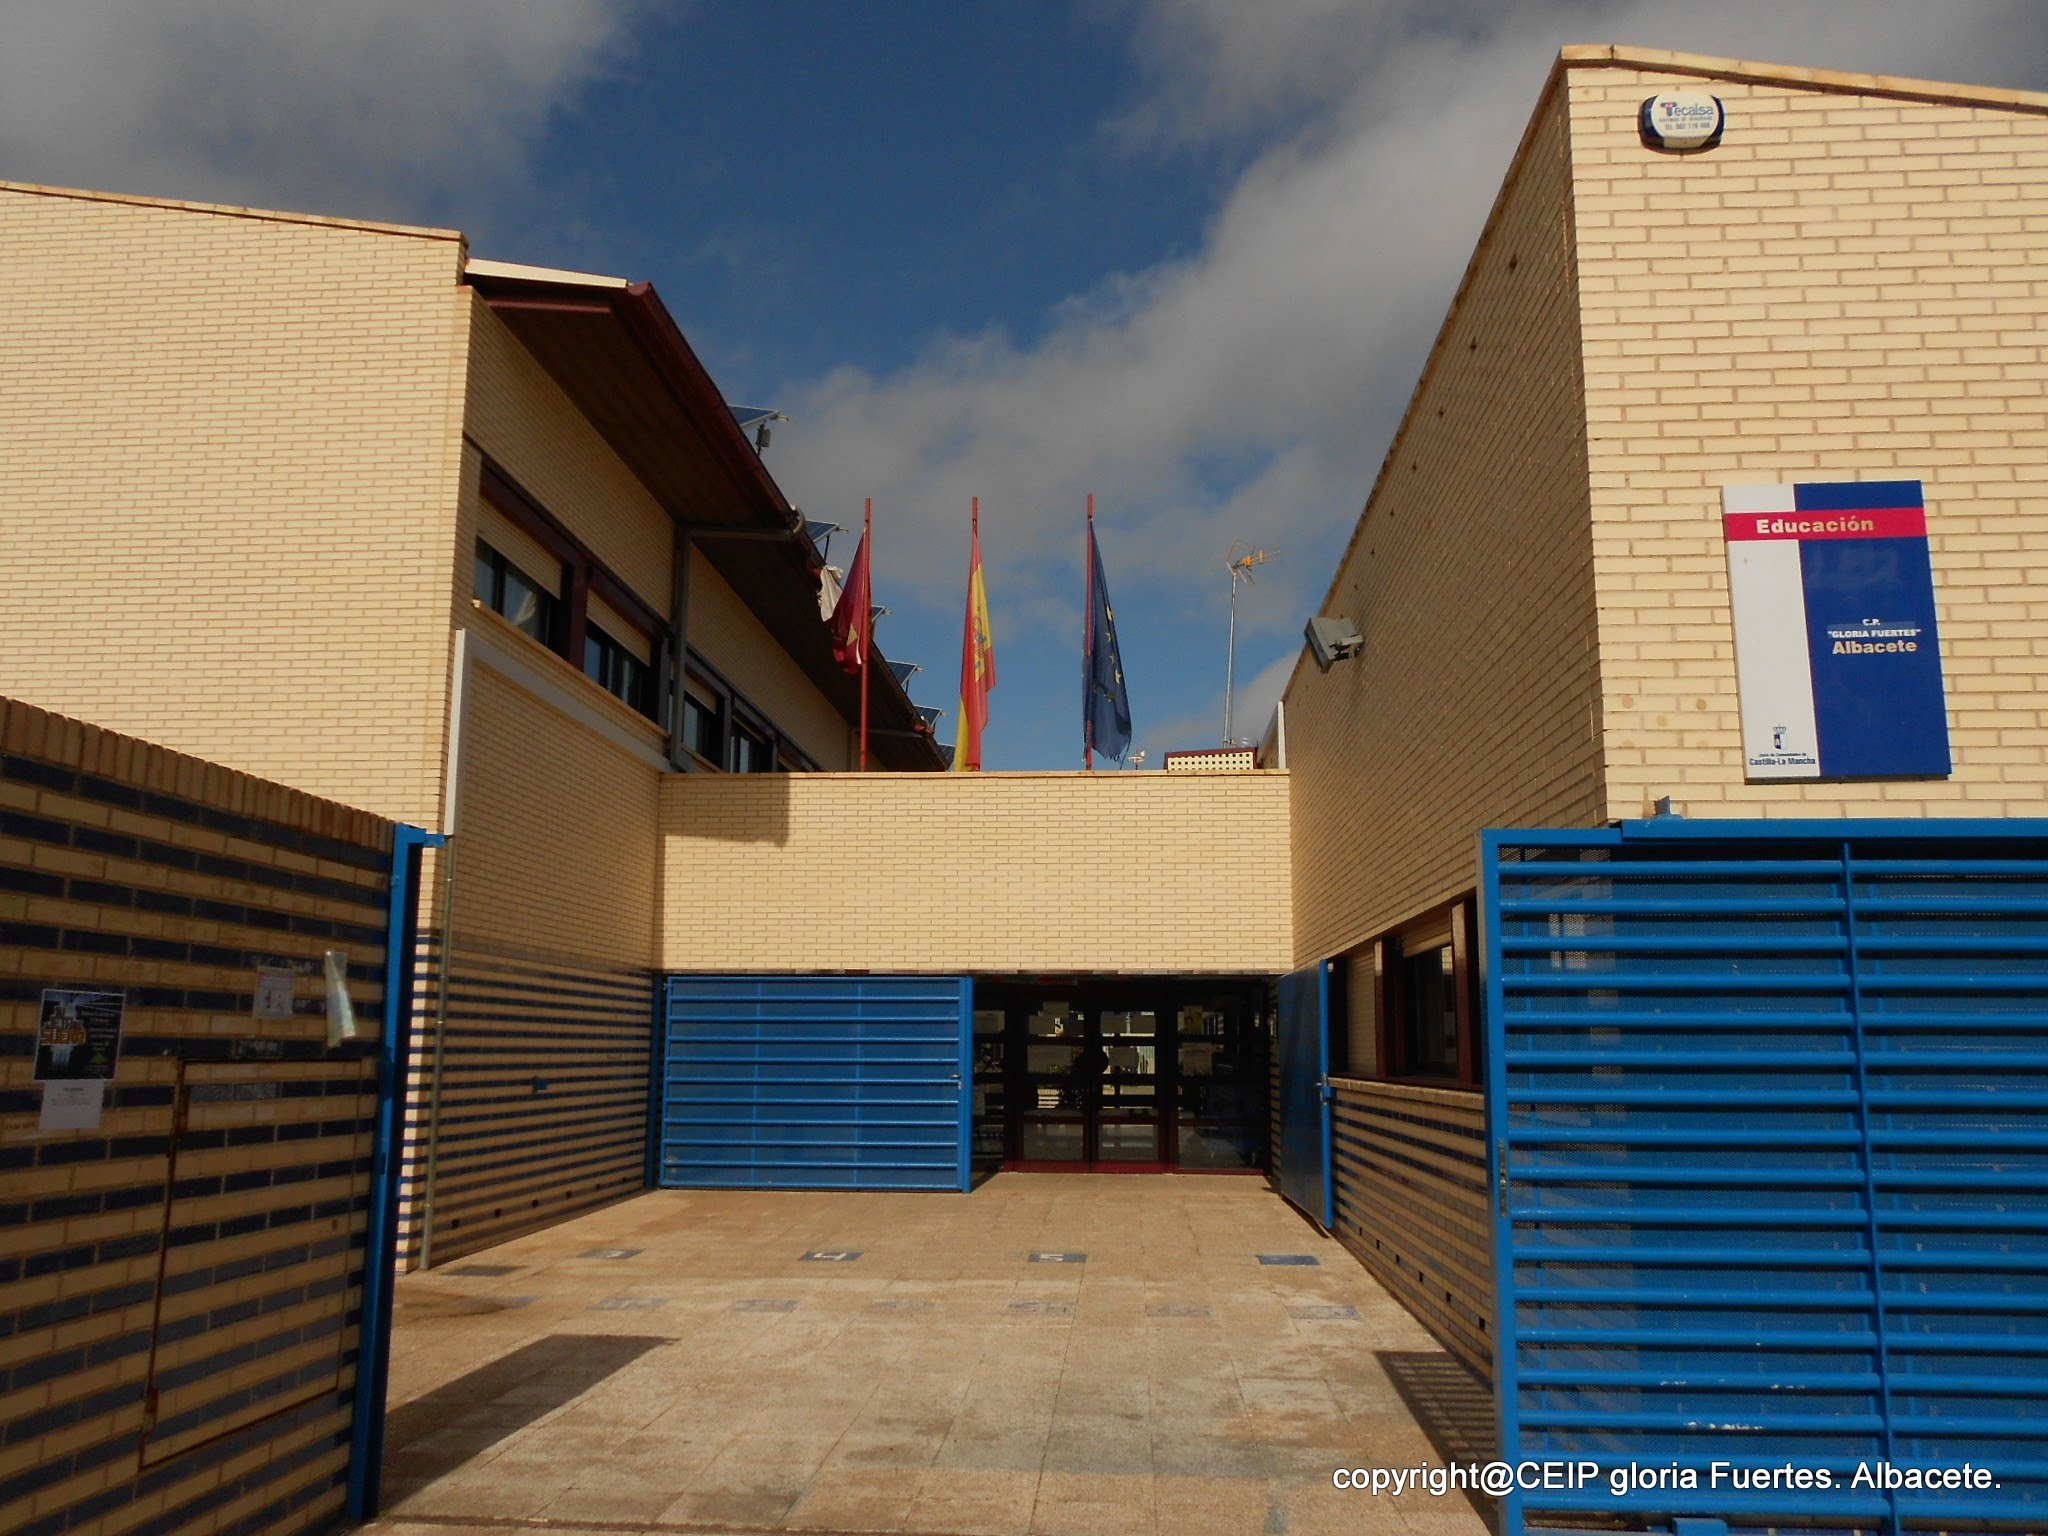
point(1238, 560)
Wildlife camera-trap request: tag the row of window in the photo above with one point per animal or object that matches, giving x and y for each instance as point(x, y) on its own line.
point(719, 725)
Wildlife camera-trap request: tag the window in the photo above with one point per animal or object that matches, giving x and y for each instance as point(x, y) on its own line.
point(751, 752)
point(703, 725)
point(617, 670)
point(1418, 986)
point(1429, 1012)
point(504, 588)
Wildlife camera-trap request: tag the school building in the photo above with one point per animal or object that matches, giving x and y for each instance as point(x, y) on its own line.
point(1618, 1002)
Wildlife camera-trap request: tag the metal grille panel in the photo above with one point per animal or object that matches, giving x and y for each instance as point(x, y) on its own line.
point(1769, 1132)
point(1304, 1064)
point(816, 1082)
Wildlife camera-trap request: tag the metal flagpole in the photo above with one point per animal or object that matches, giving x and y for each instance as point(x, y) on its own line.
point(1088, 652)
point(867, 623)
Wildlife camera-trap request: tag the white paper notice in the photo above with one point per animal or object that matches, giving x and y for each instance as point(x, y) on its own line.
point(73, 1105)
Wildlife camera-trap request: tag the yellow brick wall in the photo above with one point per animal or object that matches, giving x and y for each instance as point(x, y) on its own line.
point(555, 828)
point(1850, 286)
point(983, 872)
point(1470, 576)
point(724, 630)
point(228, 457)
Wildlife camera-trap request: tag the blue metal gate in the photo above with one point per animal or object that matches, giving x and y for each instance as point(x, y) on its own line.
point(1769, 1131)
point(816, 1082)
point(1303, 1051)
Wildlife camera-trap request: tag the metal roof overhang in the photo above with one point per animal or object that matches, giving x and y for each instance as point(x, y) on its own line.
point(618, 354)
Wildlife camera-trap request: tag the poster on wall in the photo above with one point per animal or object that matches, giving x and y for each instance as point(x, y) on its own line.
point(1836, 659)
point(78, 1034)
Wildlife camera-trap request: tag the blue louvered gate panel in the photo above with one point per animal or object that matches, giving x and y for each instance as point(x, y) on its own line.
point(1769, 1124)
point(816, 1082)
point(1304, 1059)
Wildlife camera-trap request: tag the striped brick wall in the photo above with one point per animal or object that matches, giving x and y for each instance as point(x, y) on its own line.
point(1408, 1176)
point(179, 1287)
point(542, 1105)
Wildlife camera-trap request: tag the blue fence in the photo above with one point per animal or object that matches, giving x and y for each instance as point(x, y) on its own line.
point(1769, 1138)
point(815, 1082)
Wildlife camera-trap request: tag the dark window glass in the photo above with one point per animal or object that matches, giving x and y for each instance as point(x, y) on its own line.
point(700, 727)
point(504, 588)
point(1429, 1003)
point(750, 752)
point(617, 670)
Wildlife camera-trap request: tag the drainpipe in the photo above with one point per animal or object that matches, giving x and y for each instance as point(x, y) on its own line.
point(430, 1155)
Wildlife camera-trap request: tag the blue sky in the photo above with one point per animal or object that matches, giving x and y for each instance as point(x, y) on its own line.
point(1186, 254)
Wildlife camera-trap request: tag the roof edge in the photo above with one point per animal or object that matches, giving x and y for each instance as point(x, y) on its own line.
point(482, 266)
point(1754, 72)
point(1553, 81)
point(233, 211)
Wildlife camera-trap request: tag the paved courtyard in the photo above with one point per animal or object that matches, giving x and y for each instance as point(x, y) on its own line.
point(1051, 1353)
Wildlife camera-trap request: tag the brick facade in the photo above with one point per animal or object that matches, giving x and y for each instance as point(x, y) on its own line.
point(1850, 286)
point(228, 450)
point(991, 872)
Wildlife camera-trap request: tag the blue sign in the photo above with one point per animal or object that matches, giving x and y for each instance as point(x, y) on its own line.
point(1836, 655)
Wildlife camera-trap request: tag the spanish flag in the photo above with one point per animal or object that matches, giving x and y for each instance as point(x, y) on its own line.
point(977, 663)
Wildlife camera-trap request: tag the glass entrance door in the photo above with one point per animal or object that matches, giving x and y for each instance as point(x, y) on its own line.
point(1091, 1087)
point(1053, 1123)
point(1123, 1075)
point(1126, 1119)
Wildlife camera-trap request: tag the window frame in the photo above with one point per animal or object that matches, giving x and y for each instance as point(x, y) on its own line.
point(1397, 1058)
point(502, 567)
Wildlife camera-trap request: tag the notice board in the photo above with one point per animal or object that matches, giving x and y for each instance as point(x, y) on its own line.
point(1836, 657)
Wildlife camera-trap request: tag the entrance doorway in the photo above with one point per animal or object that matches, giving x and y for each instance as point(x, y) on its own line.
point(1126, 1076)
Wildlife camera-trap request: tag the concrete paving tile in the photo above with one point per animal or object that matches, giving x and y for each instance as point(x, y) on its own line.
point(1022, 1451)
point(863, 1499)
point(968, 1517)
point(1211, 1506)
point(718, 1506)
point(611, 1504)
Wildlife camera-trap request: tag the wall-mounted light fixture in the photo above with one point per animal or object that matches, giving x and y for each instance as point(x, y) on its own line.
point(1333, 640)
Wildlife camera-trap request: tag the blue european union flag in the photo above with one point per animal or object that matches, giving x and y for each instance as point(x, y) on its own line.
point(1105, 705)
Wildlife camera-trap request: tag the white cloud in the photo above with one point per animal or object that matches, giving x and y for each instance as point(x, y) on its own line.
point(382, 108)
point(1251, 389)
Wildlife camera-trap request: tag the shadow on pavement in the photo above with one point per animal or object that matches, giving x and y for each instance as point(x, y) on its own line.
point(433, 1435)
point(1454, 1408)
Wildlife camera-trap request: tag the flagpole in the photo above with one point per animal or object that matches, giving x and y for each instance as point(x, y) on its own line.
point(1088, 652)
point(974, 565)
point(867, 625)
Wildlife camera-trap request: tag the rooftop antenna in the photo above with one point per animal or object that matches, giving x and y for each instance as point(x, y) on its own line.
point(1238, 560)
